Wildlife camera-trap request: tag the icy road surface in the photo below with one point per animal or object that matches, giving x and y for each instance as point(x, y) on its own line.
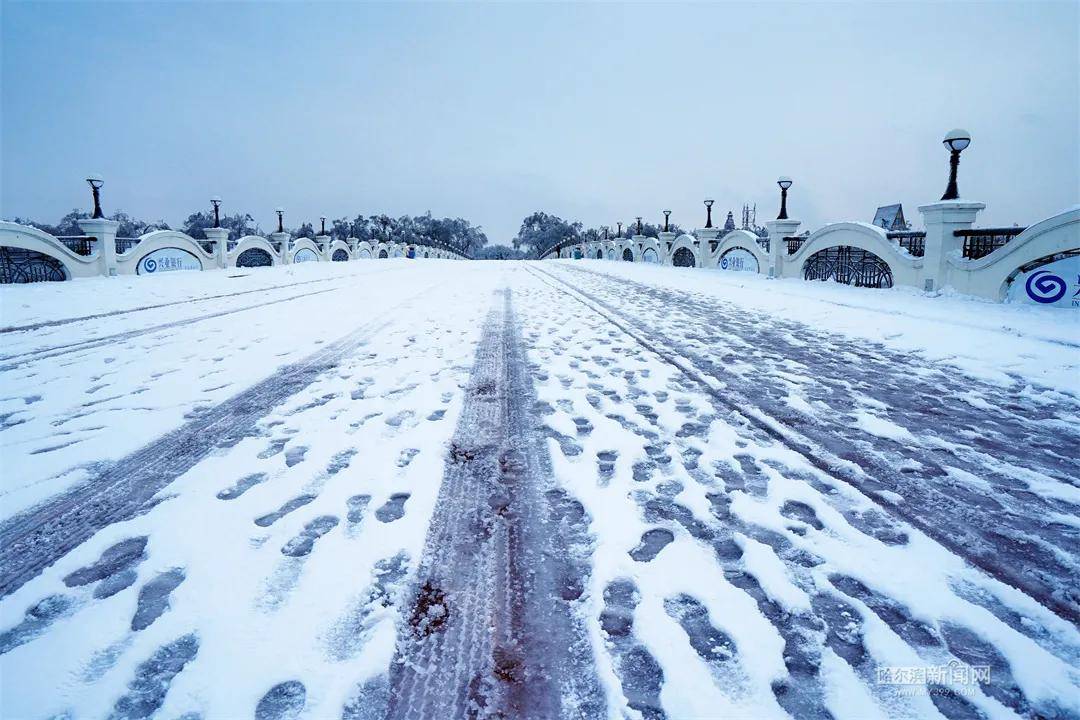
point(428, 489)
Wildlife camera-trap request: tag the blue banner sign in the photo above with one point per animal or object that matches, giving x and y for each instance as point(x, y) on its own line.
point(740, 260)
point(167, 260)
point(1055, 284)
point(305, 255)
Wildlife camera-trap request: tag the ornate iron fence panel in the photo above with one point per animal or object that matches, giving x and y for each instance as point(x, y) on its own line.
point(764, 243)
point(383, 255)
point(254, 257)
point(793, 244)
point(628, 255)
point(980, 242)
point(78, 244)
point(914, 241)
point(683, 258)
point(125, 244)
point(341, 256)
point(848, 265)
point(18, 265)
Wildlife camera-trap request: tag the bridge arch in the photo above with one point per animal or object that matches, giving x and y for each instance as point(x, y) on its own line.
point(859, 264)
point(256, 259)
point(688, 243)
point(740, 240)
point(993, 275)
point(26, 248)
point(163, 250)
point(339, 246)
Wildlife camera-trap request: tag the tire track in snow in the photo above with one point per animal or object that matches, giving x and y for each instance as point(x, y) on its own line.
point(114, 313)
point(21, 359)
point(33, 540)
point(490, 632)
point(873, 481)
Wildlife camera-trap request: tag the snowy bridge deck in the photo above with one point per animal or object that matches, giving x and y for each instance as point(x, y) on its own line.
point(561, 489)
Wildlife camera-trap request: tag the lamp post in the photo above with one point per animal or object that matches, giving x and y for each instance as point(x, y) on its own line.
point(708, 212)
point(784, 182)
point(638, 218)
point(620, 232)
point(605, 233)
point(323, 230)
point(280, 215)
point(667, 214)
point(216, 202)
point(956, 141)
point(96, 182)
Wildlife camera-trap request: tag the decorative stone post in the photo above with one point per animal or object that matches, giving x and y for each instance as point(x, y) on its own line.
point(281, 239)
point(104, 233)
point(220, 237)
point(778, 230)
point(354, 244)
point(323, 241)
point(705, 238)
point(665, 240)
point(941, 219)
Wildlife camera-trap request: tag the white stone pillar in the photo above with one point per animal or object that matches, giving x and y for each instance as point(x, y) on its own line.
point(220, 237)
point(941, 219)
point(104, 233)
point(283, 242)
point(665, 240)
point(778, 230)
point(323, 241)
point(354, 244)
point(705, 238)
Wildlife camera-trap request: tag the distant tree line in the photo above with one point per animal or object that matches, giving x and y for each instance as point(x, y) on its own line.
point(455, 233)
point(498, 252)
point(541, 232)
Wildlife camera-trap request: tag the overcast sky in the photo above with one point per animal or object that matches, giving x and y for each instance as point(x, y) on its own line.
point(489, 112)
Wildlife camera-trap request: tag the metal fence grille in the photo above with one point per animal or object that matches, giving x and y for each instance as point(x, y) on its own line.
point(18, 265)
point(913, 241)
point(980, 242)
point(848, 265)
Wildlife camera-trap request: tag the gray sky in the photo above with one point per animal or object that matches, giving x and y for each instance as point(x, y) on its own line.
point(489, 112)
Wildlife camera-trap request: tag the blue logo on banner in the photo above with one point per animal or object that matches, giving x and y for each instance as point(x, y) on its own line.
point(1045, 287)
point(723, 263)
point(150, 264)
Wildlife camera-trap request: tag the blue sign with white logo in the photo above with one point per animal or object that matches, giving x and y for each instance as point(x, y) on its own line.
point(167, 260)
point(1055, 284)
point(305, 255)
point(740, 260)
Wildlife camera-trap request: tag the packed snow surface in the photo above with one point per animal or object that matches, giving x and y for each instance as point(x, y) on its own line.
point(435, 489)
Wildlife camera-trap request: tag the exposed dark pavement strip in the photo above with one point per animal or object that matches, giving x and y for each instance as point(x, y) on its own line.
point(38, 537)
point(492, 630)
point(936, 512)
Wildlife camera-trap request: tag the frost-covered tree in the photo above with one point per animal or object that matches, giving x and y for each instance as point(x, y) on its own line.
point(238, 225)
point(498, 252)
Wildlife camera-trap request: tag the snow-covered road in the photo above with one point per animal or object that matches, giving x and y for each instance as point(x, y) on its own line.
point(437, 490)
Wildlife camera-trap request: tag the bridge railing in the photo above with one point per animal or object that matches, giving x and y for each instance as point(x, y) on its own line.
point(914, 241)
point(78, 244)
point(980, 242)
